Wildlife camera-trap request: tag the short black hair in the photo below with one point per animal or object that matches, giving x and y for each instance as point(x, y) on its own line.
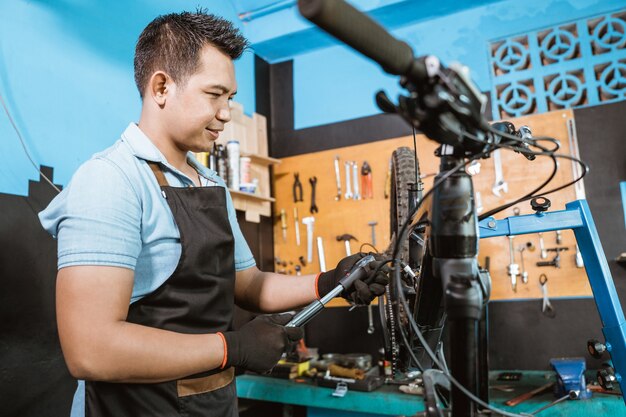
point(172, 43)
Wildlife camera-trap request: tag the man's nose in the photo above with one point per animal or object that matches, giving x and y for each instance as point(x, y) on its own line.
point(223, 114)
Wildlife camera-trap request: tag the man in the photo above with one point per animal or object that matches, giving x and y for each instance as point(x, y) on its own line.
point(151, 258)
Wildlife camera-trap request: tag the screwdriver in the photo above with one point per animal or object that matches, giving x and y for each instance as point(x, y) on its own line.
point(283, 224)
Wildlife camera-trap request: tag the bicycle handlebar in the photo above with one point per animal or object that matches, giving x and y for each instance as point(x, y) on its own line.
point(357, 30)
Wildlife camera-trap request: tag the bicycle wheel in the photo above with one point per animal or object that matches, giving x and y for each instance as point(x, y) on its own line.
point(403, 168)
point(405, 192)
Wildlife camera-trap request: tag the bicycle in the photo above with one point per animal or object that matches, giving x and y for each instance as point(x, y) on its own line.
point(437, 280)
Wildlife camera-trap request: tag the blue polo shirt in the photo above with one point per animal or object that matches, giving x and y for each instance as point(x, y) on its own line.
point(112, 213)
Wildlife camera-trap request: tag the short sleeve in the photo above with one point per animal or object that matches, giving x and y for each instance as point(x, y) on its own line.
point(243, 255)
point(97, 218)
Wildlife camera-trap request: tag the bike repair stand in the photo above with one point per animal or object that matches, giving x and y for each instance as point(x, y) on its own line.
point(577, 217)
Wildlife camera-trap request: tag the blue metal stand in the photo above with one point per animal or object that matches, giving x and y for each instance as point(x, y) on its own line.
point(577, 217)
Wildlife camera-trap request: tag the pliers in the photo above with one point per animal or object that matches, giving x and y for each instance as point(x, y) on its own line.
point(297, 188)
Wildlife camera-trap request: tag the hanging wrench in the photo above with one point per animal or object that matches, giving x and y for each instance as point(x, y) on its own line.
point(546, 306)
point(499, 183)
point(348, 187)
point(355, 180)
point(337, 178)
point(478, 202)
point(524, 272)
point(370, 319)
point(542, 248)
point(513, 268)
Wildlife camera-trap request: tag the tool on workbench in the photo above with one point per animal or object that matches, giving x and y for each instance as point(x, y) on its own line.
point(524, 272)
point(513, 268)
point(348, 194)
point(546, 305)
point(313, 182)
point(297, 188)
point(283, 224)
point(528, 395)
point(570, 377)
point(373, 224)
point(366, 180)
point(556, 262)
point(355, 180)
point(337, 179)
point(320, 254)
point(388, 179)
point(346, 240)
point(296, 225)
point(309, 221)
point(357, 272)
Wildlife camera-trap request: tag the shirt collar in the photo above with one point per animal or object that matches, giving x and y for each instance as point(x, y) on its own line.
point(142, 147)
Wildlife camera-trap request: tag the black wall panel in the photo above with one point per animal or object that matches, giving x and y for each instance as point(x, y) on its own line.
point(33, 378)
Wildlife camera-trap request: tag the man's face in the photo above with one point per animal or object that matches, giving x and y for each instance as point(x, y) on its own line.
point(196, 113)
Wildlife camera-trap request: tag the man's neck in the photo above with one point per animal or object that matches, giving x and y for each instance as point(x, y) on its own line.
point(175, 156)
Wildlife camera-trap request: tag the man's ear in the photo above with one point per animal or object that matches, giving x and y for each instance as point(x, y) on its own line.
point(158, 87)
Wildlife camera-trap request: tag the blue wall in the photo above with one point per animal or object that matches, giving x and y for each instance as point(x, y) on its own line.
point(335, 84)
point(66, 74)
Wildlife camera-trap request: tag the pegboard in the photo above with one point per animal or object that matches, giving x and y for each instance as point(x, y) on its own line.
point(352, 216)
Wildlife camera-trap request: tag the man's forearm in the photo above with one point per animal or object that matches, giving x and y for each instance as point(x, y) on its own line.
point(268, 292)
point(127, 352)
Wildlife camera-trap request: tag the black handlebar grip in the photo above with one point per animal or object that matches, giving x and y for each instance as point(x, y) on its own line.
point(360, 32)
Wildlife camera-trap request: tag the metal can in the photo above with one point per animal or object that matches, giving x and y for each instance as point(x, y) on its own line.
point(232, 152)
point(244, 169)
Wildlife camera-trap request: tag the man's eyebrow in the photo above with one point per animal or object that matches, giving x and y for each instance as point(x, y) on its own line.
point(220, 87)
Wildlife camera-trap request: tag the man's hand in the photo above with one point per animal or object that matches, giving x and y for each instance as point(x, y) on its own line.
point(363, 291)
point(259, 344)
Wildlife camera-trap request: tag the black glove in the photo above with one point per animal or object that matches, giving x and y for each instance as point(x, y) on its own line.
point(259, 344)
point(364, 290)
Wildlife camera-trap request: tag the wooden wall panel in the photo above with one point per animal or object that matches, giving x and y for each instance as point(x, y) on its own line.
point(349, 216)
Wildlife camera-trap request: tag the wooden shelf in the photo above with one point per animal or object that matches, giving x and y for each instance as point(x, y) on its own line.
point(258, 159)
point(251, 196)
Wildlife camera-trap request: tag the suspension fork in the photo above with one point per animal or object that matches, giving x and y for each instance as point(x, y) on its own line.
point(454, 246)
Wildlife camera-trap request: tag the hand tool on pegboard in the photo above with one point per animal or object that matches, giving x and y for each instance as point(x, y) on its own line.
point(546, 305)
point(388, 180)
point(373, 224)
point(349, 194)
point(309, 221)
point(366, 181)
point(296, 220)
point(283, 224)
point(346, 240)
point(297, 188)
point(355, 180)
point(337, 179)
point(313, 182)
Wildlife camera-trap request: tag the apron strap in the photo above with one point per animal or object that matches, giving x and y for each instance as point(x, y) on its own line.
point(158, 173)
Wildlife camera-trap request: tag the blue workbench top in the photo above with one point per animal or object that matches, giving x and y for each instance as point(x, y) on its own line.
point(388, 401)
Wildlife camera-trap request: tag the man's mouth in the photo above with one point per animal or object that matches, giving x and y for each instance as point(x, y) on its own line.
point(214, 132)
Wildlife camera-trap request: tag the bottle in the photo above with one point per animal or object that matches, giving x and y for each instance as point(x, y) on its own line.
point(232, 152)
point(221, 162)
point(213, 158)
point(244, 170)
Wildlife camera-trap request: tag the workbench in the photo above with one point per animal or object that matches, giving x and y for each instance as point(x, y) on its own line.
point(388, 401)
